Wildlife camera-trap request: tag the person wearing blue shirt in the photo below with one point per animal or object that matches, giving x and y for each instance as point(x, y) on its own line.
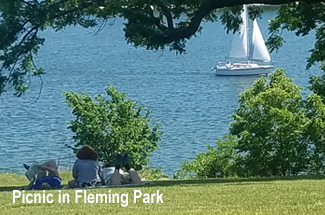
point(86, 170)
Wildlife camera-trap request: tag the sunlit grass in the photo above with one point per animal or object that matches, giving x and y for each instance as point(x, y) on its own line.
point(304, 195)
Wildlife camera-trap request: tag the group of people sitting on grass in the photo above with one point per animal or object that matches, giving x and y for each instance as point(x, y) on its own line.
point(86, 172)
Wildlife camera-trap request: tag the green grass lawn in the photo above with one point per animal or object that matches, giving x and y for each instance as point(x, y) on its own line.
point(303, 195)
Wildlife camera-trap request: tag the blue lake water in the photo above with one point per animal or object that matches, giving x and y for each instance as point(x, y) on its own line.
point(191, 103)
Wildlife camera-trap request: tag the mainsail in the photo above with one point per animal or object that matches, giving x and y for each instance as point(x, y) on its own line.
point(239, 45)
point(258, 50)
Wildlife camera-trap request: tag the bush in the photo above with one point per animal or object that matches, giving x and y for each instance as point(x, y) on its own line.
point(148, 173)
point(270, 124)
point(275, 133)
point(113, 126)
point(218, 161)
point(316, 128)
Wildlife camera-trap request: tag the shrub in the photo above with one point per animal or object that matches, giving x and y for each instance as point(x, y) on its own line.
point(218, 161)
point(117, 125)
point(148, 173)
point(275, 133)
point(270, 124)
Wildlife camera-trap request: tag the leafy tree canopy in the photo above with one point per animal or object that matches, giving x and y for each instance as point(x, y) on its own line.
point(275, 132)
point(270, 123)
point(114, 125)
point(153, 24)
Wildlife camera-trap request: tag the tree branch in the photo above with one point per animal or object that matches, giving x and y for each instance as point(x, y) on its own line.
point(158, 23)
point(28, 34)
point(41, 87)
point(208, 6)
point(167, 14)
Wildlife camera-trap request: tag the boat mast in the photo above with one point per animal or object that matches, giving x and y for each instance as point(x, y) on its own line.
point(245, 21)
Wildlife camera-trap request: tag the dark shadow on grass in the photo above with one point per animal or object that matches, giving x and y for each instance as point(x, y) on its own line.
point(10, 188)
point(237, 180)
point(164, 183)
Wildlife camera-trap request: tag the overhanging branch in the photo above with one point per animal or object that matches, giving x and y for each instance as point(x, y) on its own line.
point(208, 6)
point(167, 14)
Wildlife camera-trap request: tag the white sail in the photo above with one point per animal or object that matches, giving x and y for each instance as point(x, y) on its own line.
point(239, 45)
point(258, 50)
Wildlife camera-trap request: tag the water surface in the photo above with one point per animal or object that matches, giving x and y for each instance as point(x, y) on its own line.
point(191, 103)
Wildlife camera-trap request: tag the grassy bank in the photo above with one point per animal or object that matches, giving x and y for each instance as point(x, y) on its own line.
point(302, 195)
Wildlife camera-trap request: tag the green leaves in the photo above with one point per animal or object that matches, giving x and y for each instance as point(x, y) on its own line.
point(317, 85)
point(20, 22)
point(269, 124)
point(275, 132)
point(231, 18)
point(301, 18)
point(154, 25)
point(218, 161)
point(274, 42)
point(113, 126)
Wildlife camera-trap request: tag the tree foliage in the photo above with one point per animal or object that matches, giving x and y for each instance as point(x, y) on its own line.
point(113, 126)
point(153, 24)
point(275, 133)
point(270, 124)
point(300, 17)
point(317, 84)
point(218, 161)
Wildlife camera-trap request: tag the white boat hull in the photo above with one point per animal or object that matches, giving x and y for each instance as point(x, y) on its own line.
point(243, 69)
point(240, 50)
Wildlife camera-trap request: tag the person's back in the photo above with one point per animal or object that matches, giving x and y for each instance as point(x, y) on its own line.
point(86, 170)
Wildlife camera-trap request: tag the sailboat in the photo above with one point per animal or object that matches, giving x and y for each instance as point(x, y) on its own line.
point(239, 50)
